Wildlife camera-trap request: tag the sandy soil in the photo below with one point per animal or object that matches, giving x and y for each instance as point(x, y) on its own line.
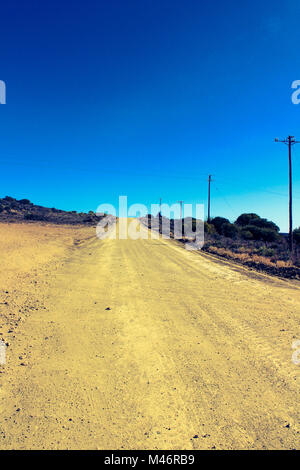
point(140, 344)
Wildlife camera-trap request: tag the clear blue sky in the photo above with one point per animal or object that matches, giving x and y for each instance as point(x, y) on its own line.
point(146, 98)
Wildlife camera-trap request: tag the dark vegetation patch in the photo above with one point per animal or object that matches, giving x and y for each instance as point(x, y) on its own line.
point(254, 242)
point(22, 210)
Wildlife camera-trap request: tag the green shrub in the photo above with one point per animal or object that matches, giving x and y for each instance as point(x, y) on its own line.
point(246, 234)
point(209, 228)
point(264, 251)
point(264, 223)
point(218, 222)
point(269, 235)
point(245, 219)
point(261, 229)
point(296, 234)
point(230, 230)
point(24, 201)
point(264, 234)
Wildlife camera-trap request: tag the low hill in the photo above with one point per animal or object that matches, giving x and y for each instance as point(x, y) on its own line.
point(22, 210)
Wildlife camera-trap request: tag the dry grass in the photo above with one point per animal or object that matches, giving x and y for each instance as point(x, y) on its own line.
point(246, 256)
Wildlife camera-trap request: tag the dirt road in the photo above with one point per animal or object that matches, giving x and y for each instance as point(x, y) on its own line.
point(140, 344)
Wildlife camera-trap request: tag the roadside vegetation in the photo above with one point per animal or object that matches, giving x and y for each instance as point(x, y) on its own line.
point(254, 241)
point(251, 240)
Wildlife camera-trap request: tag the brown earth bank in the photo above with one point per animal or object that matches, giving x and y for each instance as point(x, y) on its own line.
point(141, 344)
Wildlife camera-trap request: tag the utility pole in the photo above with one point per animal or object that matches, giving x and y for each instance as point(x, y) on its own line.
point(182, 222)
point(160, 218)
point(180, 202)
point(290, 141)
point(208, 206)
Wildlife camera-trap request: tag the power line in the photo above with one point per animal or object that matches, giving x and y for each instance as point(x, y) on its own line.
point(70, 166)
point(267, 191)
point(223, 197)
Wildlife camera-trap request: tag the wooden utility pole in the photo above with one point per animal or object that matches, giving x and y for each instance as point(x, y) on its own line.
point(180, 202)
point(290, 141)
point(182, 222)
point(160, 218)
point(208, 205)
point(291, 241)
